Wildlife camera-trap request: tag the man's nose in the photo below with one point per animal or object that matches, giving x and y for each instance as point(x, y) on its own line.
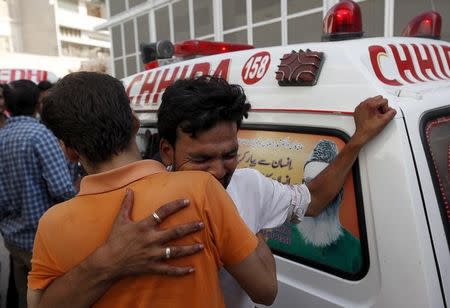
point(217, 169)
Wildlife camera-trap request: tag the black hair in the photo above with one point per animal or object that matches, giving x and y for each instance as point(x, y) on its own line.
point(44, 85)
point(21, 97)
point(90, 113)
point(198, 104)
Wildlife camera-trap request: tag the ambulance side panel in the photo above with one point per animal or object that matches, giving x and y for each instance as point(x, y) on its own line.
point(401, 270)
point(435, 104)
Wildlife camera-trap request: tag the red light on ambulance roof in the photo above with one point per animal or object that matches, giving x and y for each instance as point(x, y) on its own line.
point(205, 48)
point(427, 25)
point(342, 22)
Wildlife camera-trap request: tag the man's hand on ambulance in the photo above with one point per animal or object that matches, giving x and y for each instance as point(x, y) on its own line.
point(134, 248)
point(371, 116)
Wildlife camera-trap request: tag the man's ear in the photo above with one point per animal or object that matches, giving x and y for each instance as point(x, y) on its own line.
point(167, 152)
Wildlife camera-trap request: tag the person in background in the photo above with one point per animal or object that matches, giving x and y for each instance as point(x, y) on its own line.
point(90, 113)
point(2, 107)
point(33, 177)
point(44, 86)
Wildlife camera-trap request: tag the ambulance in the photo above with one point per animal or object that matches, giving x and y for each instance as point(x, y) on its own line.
point(391, 224)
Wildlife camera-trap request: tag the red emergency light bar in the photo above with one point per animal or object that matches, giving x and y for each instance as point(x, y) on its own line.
point(206, 48)
point(342, 22)
point(427, 25)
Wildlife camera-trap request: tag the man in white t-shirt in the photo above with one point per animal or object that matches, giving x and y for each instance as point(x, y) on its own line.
point(198, 122)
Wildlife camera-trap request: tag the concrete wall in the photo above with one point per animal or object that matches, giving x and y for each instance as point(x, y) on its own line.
point(37, 21)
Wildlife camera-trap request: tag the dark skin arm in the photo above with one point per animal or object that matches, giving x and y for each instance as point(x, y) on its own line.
point(257, 274)
point(132, 248)
point(371, 116)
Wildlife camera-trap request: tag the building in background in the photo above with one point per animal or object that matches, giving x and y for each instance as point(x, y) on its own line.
point(258, 22)
point(55, 35)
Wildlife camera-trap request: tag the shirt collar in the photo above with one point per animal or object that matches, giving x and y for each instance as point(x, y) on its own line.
point(21, 119)
point(119, 177)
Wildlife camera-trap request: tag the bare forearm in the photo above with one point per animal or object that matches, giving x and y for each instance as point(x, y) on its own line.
point(326, 185)
point(266, 255)
point(82, 286)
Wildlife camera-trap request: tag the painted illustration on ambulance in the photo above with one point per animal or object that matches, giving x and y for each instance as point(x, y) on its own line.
point(332, 238)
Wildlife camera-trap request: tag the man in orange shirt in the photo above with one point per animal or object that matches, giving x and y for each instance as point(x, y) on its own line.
point(90, 113)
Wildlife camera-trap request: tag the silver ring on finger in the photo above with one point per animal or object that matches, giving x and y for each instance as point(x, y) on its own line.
point(168, 253)
point(158, 220)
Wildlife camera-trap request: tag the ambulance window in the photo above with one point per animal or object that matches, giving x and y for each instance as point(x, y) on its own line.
point(335, 241)
point(437, 146)
point(147, 140)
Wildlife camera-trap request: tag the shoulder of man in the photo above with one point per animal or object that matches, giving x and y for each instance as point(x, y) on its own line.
point(55, 214)
point(247, 177)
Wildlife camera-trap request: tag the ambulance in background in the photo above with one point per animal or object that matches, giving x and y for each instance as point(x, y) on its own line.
point(393, 214)
point(36, 75)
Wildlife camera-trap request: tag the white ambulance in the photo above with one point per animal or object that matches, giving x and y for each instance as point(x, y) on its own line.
point(393, 216)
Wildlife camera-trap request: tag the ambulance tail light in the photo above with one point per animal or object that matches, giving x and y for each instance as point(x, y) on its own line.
point(343, 22)
point(192, 48)
point(426, 25)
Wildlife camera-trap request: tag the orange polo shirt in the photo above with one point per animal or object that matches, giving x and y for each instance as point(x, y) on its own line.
point(71, 231)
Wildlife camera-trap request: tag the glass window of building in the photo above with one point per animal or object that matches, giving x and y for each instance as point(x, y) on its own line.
point(162, 23)
point(234, 14)
point(143, 29)
point(405, 11)
point(267, 35)
point(116, 7)
point(118, 69)
point(131, 65)
point(69, 5)
point(203, 17)
point(94, 10)
point(305, 29)
point(372, 13)
point(236, 37)
point(265, 10)
point(116, 41)
point(443, 7)
point(132, 3)
point(129, 37)
point(181, 21)
point(296, 6)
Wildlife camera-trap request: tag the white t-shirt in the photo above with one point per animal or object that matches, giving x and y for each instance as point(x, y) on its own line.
point(262, 203)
